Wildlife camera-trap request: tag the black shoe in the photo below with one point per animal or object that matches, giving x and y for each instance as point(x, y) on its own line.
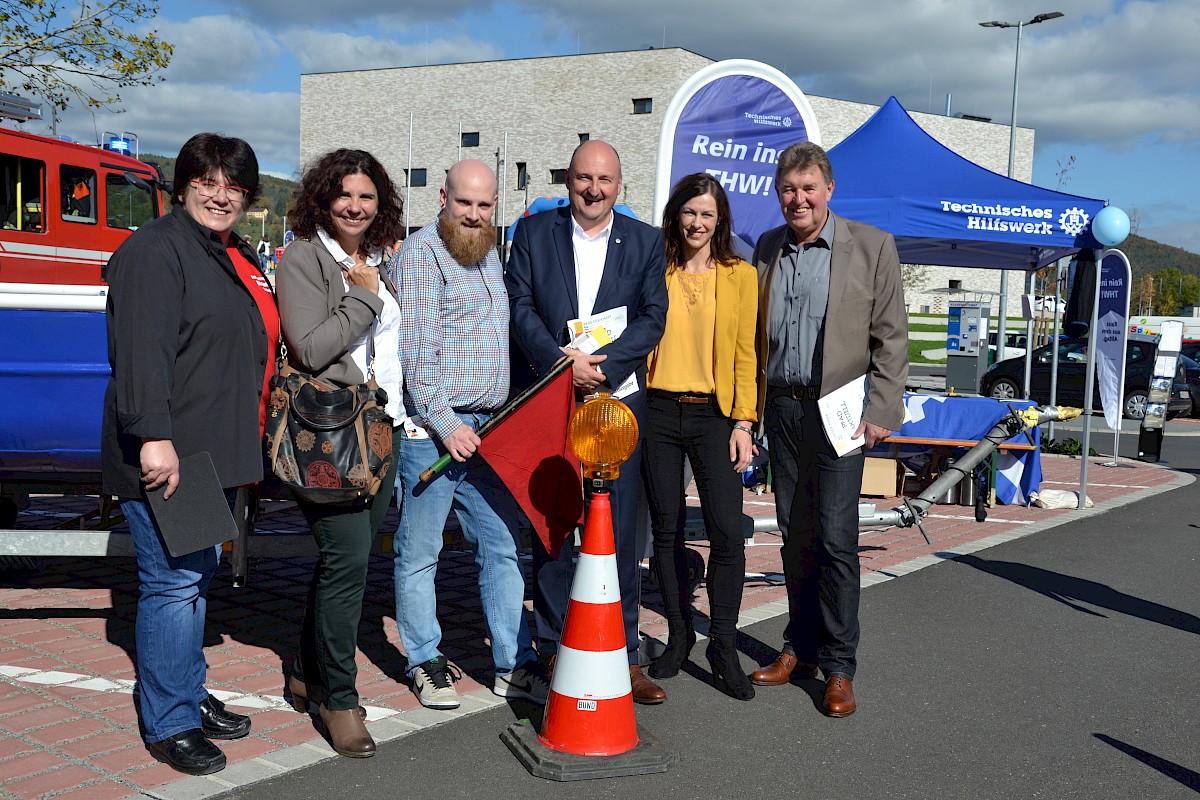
point(189, 752)
point(217, 723)
point(727, 672)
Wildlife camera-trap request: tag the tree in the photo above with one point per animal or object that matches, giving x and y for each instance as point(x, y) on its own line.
point(61, 52)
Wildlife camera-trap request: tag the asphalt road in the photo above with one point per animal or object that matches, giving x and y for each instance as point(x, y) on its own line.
point(1061, 665)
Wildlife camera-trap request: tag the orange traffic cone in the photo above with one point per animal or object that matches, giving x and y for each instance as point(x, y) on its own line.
point(589, 729)
point(590, 710)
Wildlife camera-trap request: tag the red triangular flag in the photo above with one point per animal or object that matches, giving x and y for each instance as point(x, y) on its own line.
point(528, 449)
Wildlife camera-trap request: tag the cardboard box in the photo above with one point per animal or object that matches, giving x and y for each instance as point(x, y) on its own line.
point(881, 478)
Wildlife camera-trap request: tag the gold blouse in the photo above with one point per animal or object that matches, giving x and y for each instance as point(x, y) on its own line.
point(684, 362)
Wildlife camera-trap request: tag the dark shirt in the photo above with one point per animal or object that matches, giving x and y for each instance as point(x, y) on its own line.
point(796, 316)
point(187, 348)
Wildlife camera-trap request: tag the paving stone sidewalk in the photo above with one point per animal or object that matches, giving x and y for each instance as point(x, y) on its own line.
point(67, 719)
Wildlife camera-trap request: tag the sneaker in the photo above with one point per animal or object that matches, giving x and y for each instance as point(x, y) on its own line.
point(433, 683)
point(527, 682)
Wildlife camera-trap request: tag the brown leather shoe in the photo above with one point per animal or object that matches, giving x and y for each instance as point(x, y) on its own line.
point(839, 696)
point(784, 668)
point(645, 691)
point(347, 733)
point(299, 691)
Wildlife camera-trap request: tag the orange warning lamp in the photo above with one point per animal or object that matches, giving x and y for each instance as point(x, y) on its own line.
point(603, 434)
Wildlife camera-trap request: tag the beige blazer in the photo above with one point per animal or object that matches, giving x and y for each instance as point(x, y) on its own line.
point(866, 323)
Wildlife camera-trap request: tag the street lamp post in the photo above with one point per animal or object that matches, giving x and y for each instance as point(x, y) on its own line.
point(1012, 157)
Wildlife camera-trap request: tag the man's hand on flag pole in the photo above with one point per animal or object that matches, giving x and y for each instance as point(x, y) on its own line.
point(462, 443)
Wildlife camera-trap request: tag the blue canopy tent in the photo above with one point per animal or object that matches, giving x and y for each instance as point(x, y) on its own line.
point(945, 210)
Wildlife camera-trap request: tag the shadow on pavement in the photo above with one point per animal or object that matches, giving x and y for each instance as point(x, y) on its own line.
point(1071, 591)
point(1177, 772)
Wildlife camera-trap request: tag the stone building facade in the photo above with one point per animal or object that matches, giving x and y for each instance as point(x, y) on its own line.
point(526, 116)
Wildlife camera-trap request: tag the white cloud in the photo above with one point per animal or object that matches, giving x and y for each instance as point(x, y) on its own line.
point(217, 49)
point(164, 120)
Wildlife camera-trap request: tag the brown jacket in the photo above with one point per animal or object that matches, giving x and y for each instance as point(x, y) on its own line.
point(866, 324)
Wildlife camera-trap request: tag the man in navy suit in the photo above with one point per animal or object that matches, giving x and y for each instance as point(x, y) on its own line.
point(569, 264)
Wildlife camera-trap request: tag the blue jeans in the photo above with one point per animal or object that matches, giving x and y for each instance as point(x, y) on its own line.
point(488, 516)
point(170, 626)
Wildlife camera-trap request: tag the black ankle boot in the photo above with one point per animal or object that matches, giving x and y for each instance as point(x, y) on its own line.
point(680, 640)
point(727, 671)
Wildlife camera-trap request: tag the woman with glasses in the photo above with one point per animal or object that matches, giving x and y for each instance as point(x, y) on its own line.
point(341, 322)
point(192, 330)
point(701, 398)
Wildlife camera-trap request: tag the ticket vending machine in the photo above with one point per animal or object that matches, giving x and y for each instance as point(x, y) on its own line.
point(966, 346)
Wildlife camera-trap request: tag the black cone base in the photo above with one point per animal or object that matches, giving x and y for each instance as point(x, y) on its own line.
point(647, 758)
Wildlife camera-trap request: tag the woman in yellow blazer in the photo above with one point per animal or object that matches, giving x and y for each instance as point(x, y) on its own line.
point(702, 390)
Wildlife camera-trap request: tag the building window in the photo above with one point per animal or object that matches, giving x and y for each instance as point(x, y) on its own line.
point(416, 177)
point(470, 139)
point(643, 105)
point(955, 286)
point(558, 176)
point(522, 175)
point(583, 137)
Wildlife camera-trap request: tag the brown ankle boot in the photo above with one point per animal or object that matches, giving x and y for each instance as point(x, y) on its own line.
point(347, 733)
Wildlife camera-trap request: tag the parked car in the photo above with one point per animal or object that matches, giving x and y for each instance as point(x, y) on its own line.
point(1191, 349)
point(1004, 379)
point(1014, 344)
point(1191, 369)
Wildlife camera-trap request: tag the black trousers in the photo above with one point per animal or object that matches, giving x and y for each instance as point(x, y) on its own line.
point(701, 433)
point(329, 638)
point(816, 500)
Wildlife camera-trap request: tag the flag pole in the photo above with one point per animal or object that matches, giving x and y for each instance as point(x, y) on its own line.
point(562, 365)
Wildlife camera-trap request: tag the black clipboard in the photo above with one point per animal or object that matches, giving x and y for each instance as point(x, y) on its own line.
point(197, 515)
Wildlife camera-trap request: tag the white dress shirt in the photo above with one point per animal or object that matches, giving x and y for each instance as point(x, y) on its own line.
point(590, 252)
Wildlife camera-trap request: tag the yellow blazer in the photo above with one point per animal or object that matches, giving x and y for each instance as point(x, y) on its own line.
point(736, 367)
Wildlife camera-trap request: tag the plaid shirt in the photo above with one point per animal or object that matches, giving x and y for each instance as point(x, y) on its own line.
point(453, 332)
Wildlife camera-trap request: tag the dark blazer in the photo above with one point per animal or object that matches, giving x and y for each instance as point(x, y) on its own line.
point(188, 351)
point(540, 277)
point(866, 323)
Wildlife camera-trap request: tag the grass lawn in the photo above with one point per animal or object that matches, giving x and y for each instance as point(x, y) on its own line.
point(915, 346)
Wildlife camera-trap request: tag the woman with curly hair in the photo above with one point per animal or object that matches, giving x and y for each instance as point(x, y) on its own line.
point(701, 398)
point(341, 323)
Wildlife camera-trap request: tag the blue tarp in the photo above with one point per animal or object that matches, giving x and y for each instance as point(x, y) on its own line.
point(946, 210)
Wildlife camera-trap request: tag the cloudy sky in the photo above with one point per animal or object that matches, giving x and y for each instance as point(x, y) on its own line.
point(1112, 83)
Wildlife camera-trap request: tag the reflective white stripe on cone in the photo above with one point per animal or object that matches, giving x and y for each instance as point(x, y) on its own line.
point(590, 708)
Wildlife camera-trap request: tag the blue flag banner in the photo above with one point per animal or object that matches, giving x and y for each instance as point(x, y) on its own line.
point(731, 120)
point(1112, 315)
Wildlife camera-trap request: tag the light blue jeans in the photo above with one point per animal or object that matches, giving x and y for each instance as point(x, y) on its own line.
point(488, 516)
point(170, 627)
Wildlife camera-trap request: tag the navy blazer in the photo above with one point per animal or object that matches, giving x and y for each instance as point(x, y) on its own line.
point(542, 294)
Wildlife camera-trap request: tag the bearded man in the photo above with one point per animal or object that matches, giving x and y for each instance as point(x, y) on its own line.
point(454, 351)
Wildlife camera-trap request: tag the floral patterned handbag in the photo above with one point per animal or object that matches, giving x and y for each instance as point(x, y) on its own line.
point(325, 443)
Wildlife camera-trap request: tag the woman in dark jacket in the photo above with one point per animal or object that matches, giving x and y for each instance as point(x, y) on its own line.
point(341, 321)
point(192, 328)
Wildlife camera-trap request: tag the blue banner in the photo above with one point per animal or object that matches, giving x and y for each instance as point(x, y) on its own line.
point(1112, 314)
point(731, 120)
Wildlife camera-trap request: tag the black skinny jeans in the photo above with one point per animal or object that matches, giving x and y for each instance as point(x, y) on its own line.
point(700, 432)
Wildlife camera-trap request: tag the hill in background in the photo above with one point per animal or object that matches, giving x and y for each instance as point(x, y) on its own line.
point(275, 196)
point(1148, 257)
